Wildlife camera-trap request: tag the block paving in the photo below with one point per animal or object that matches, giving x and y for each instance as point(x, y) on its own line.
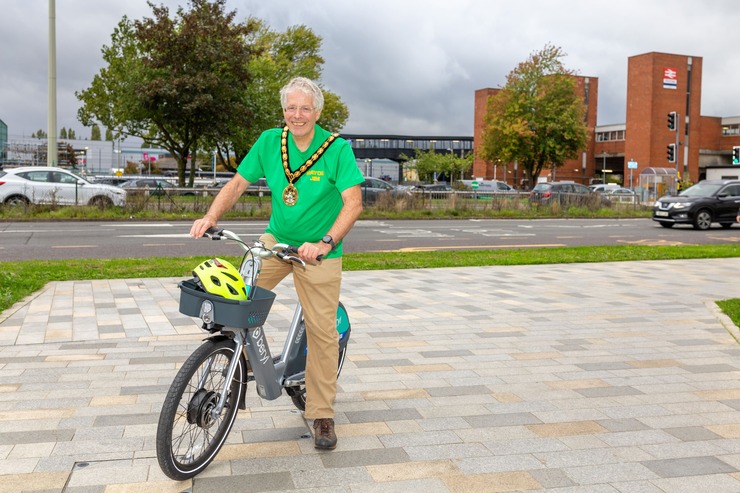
point(582, 378)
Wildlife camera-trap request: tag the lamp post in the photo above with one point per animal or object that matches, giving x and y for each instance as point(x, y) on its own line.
point(603, 168)
point(583, 167)
point(52, 152)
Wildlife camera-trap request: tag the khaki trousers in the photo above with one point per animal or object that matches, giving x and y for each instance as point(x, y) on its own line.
point(318, 289)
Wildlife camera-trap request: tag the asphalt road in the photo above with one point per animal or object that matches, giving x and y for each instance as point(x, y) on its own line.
point(65, 240)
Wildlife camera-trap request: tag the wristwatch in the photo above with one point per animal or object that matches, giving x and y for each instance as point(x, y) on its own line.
point(329, 241)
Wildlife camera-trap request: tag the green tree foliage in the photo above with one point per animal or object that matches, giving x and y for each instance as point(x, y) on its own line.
point(108, 135)
point(95, 132)
point(71, 134)
point(278, 58)
point(537, 118)
point(173, 82)
point(430, 164)
point(63, 133)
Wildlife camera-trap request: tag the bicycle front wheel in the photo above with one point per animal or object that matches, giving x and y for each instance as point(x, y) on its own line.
point(189, 433)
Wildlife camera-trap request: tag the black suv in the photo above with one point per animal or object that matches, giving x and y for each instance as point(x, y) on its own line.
point(707, 202)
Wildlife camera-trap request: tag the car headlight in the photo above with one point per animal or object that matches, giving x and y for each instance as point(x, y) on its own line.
point(657, 203)
point(680, 205)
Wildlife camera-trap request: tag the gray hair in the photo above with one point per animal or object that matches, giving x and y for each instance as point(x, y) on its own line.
point(306, 86)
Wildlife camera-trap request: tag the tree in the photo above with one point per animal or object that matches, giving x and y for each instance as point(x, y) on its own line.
point(63, 133)
point(95, 132)
point(108, 135)
point(430, 164)
point(278, 58)
point(173, 82)
point(537, 117)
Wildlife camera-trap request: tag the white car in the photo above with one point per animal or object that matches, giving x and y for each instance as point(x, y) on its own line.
point(52, 185)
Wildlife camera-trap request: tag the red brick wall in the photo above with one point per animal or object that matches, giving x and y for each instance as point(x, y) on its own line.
point(481, 168)
point(648, 105)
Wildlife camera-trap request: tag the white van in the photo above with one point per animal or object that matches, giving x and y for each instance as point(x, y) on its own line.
point(494, 186)
point(604, 187)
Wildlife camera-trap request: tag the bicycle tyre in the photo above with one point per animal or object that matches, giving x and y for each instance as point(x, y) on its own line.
point(298, 395)
point(188, 439)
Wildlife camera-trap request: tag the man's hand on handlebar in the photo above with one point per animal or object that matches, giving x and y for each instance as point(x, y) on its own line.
point(313, 252)
point(200, 226)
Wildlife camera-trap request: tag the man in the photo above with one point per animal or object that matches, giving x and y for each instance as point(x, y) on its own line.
point(316, 199)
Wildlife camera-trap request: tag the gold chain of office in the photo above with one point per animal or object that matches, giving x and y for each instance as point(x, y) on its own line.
point(290, 193)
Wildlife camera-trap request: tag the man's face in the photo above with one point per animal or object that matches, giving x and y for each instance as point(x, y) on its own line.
point(299, 113)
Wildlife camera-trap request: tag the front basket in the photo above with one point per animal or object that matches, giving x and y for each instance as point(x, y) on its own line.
point(230, 313)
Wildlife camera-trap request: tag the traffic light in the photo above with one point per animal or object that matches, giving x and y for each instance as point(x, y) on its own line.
point(671, 153)
point(736, 155)
point(672, 116)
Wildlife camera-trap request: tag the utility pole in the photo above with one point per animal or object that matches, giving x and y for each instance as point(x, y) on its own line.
point(52, 157)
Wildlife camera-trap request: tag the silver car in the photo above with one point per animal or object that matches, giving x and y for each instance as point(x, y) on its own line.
point(52, 185)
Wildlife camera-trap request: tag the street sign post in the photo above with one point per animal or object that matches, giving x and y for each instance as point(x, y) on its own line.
point(631, 165)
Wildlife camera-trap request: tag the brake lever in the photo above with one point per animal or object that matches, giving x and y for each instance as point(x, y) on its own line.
point(290, 253)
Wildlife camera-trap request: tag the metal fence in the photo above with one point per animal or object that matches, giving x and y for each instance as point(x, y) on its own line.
point(258, 201)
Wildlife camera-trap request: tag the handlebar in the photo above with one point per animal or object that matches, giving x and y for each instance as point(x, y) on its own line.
point(283, 251)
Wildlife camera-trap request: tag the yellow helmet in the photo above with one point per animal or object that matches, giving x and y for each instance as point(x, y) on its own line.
point(219, 277)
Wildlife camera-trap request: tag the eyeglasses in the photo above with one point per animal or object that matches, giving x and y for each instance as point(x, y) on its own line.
point(298, 109)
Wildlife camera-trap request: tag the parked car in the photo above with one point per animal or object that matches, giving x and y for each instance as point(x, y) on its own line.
point(53, 185)
point(110, 180)
point(155, 186)
point(707, 202)
point(432, 187)
point(568, 193)
point(621, 195)
point(257, 188)
point(374, 188)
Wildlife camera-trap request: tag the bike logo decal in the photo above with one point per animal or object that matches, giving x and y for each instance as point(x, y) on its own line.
point(342, 321)
point(299, 334)
point(259, 338)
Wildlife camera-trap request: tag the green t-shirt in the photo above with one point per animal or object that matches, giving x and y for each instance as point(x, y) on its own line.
point(319, 188)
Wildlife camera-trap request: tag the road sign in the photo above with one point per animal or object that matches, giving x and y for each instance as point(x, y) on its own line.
point(632, 164)
point(474, 184)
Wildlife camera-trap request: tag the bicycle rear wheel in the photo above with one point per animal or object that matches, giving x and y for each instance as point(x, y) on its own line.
point(188, 435)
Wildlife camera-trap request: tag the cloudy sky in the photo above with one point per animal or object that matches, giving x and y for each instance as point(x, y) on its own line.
point(407, 67)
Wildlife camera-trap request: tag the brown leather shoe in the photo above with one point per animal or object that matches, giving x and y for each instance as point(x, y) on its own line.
point(323, 433)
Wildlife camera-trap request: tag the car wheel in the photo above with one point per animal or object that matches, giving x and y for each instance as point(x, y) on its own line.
point(17, 201)
point(667, 225)
point(702, 220)
point(101, 202)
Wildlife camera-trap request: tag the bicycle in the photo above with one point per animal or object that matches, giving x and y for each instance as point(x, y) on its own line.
point(205, 396)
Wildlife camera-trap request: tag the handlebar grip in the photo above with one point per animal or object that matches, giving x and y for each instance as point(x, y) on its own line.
point(214, 233)
point(293, 250)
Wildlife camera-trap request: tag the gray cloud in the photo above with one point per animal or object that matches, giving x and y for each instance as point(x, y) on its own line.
point(403, 66)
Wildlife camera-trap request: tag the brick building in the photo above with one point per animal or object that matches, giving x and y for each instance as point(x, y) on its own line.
point(657, 84)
